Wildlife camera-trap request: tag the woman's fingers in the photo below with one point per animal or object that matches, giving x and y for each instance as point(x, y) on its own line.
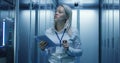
point(65, 44)
point(43, 44)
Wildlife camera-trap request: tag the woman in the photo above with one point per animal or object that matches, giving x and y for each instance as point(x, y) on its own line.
point(66, 38)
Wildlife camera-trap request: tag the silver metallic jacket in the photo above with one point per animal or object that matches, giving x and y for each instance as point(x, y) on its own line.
point(60, 55)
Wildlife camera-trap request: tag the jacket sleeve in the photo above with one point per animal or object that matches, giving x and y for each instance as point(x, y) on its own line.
point(74, 48)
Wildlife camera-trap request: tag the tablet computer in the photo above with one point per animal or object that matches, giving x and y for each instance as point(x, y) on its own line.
point(44, 38)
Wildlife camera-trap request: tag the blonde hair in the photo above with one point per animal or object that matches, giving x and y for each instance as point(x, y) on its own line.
point(68, 12)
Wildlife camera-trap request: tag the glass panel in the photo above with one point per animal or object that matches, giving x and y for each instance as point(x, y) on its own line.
point(89, 22)
point(7, 20)
point(111, 52)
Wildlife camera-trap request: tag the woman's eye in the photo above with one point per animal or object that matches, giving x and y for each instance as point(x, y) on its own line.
point(60, 12)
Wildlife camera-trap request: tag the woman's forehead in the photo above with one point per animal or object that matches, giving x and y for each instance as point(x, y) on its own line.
point(60, 8)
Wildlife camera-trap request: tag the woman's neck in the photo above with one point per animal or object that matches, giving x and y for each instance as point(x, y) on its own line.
point(59, 26)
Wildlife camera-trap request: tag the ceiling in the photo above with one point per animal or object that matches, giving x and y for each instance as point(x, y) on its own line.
point(5, 4)
point(84, 3)
point(61, 1)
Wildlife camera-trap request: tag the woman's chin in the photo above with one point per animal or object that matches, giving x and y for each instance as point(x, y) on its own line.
point(55, 20)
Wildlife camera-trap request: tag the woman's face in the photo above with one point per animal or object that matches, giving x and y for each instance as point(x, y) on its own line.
point(60, 14)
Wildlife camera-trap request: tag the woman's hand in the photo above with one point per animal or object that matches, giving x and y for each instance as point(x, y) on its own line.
point(65, 44)
point(43, 44)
